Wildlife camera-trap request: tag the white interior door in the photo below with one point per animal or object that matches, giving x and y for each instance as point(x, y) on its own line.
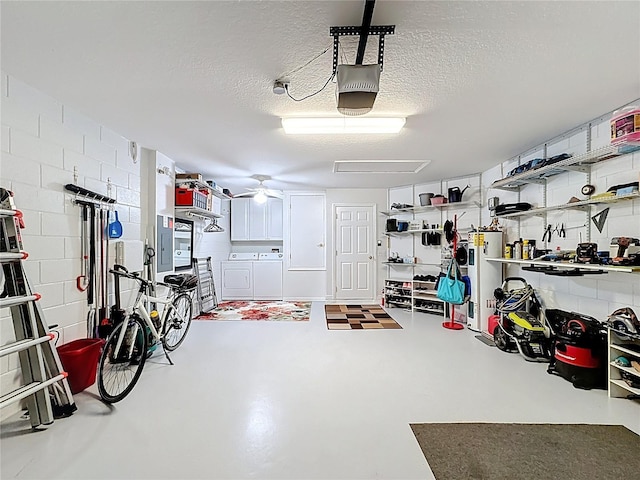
point(355, 248)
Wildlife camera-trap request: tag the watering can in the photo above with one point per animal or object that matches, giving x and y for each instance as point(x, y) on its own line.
point(455, 194)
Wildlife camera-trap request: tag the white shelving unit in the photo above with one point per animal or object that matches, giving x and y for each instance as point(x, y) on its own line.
point(430, 208)
point(618, 347)
point(414, 295)
point(578, 162)
point(200, 185)
point(195, 212)
point(397, 293)
point(410, 232)
point(425, 298)
point(568, 265)
point(581, 205)
point(407, 289)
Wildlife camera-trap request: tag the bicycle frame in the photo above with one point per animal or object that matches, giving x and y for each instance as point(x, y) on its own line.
point(143, 297)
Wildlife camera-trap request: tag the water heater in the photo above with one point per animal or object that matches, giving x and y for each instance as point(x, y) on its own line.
point(485, 278)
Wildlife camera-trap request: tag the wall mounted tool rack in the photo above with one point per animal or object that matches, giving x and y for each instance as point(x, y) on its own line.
point(89, 195)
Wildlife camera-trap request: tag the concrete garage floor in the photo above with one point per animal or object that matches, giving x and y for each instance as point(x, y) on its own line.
point(293, 400)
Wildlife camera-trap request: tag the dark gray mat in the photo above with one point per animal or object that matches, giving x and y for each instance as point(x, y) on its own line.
point(460, 451)
point(485, 340)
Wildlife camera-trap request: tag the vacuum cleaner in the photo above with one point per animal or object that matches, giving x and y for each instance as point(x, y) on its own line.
point(522, 325)
point(580, 349)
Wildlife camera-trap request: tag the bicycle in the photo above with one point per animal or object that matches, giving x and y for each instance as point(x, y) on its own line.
point(135, 336)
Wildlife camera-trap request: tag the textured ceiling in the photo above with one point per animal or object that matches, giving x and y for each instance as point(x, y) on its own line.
point(479, 81)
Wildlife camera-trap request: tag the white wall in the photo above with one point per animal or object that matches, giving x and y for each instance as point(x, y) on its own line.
point(42, 142)
point(216, 245)
point(594, 295)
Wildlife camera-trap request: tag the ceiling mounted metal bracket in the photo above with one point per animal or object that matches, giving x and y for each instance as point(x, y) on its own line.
point(380, 30)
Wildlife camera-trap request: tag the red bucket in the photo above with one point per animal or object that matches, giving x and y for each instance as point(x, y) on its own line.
point(80, 360)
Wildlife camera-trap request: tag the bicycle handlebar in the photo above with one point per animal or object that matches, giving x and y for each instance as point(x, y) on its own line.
point(123, 272)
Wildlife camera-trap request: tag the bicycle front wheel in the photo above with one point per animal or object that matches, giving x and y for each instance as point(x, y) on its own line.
point(120, 368)
point(178, 322)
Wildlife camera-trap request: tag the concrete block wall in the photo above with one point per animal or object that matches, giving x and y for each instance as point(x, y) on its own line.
point(595, 295)
point(43, 141)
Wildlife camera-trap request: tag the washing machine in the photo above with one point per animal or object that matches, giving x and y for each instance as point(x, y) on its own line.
point(267, 277)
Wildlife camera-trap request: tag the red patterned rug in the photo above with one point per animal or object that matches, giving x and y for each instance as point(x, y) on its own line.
point(247, 310)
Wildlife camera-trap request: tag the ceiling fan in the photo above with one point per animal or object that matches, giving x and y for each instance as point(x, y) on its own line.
point(261, 193)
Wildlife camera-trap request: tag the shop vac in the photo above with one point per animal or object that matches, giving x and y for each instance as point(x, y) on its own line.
point(521, 325)
point(580, 349)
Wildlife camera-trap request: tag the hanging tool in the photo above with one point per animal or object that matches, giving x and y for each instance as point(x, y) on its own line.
point(91, 288)
point(104, 269)
point(560, 231)
point(105, 321)
point(546, 236)
point(82, 281)
point(115, 228)
point(600, 218)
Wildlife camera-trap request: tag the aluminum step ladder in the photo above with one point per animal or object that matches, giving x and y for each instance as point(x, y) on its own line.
point(45, 387)
point(207, 299)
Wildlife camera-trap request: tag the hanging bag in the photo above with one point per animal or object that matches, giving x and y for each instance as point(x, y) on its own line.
point(450, 288)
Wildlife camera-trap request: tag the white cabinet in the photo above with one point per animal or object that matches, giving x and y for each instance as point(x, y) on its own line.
point(274, 219)
point(240, 219)
point(252, 221)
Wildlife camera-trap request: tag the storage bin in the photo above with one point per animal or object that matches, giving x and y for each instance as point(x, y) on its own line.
point(79, 359)
point(438, 200)
point(189, 176)
point(190, 197)
point(625, 126)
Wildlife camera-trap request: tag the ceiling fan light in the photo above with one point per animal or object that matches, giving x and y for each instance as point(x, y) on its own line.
point(260, 197)
point(342, 125)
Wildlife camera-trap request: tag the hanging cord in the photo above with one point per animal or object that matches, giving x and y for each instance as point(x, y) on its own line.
point(286, 88)
point(295, 70)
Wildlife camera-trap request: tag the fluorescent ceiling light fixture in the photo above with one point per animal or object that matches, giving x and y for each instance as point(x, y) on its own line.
point(379, 166)
point(342, 125)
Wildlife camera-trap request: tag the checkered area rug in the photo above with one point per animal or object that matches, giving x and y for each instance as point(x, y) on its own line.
point(358, 317)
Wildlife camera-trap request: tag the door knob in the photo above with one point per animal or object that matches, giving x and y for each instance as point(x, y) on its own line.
point(321, 244)
point(370, 257)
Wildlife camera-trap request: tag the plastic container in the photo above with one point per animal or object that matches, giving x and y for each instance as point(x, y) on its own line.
point(625, 126)
point(493, 323)
point(425, 199)
point(517, 250)
point(525, 250)
point(79, 359)
point(189, 197)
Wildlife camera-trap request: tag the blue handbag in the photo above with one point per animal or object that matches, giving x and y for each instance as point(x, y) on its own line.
point(451, 289)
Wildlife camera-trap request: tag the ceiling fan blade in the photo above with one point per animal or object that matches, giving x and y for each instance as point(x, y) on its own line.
point(274, 193)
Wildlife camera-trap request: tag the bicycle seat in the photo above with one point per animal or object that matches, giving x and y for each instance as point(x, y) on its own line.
point(184, 280)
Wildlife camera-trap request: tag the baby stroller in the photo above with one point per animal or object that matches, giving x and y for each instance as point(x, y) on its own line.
point(522, 326)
